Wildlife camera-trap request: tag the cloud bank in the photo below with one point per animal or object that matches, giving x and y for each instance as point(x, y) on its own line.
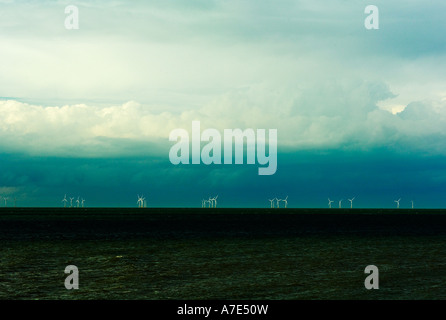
point(327, 115)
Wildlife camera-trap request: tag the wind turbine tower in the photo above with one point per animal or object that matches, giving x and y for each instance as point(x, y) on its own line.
point(64, 200)
point(140, 201)
point(286, 201)
point(214, 201)
point(412, 203)
point(351, 202)
point(71, 202)
point(340, 203)
point(271, 201)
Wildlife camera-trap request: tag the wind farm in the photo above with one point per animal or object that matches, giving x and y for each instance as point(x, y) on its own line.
point(212, 202)
point(80, 202)
point(278, 200)
point(275, 202)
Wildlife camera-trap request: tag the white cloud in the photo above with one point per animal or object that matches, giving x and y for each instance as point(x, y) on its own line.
point(309, 69)
point(328, 115)
point(182, 53)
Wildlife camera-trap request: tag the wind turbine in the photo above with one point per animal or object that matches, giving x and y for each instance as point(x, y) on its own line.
point(82, 202)
point(64, 200)
point(286, 201)
point(77, 202)
point(71, 202)
point(140, 201)
point(211, 202)
point(412, 203)
point(340, 203)
point(214, 201)
point(330, 202)
point(397, 202)
point(6, 200)
point(271, 201)
point(351, 202)
point(277, 202)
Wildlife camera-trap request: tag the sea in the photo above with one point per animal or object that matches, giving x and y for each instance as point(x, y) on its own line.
point(224, 254)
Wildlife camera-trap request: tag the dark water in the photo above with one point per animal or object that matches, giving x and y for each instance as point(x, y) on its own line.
point(222, 253)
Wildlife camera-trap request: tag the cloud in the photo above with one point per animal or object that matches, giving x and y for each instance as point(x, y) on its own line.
point(181, 54)
point(135, 71)
point(331, 114)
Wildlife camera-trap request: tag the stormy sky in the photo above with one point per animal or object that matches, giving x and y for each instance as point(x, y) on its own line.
point(359, 113)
